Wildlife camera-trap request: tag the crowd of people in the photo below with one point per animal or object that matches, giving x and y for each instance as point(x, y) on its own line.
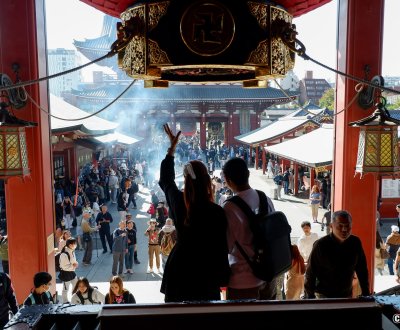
point(178, 219)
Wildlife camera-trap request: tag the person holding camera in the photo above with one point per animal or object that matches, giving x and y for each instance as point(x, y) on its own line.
point(152, 233)
point(87, 237)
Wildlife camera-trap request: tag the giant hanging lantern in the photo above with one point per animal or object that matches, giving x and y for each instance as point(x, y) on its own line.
point(204, 41)
point(378, 143)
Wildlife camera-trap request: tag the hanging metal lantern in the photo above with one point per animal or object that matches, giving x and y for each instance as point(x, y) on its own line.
point(13, 150)
point(378, 142)
point(203, 41)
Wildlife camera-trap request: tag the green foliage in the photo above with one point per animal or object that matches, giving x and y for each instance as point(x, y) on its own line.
point(327, 100)
point(393, 106)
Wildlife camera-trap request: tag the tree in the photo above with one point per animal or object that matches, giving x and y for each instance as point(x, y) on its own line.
point(327, 100)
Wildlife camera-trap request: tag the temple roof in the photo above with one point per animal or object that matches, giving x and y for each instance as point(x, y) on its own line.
point(116, 7)
point(98, 47)
point(91, 126)
point(299, 149)
point(188, 93)
point(118, 138)
point(274, 130)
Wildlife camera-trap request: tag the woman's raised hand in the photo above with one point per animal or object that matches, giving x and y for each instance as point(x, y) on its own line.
point(172, 138)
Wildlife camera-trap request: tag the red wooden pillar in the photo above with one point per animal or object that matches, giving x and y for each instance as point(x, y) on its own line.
point(296, 178)
point(31, 227)
point(360, 35)
point(203, 138)
point(312, 177)
point(264, 159)
point(256, 159)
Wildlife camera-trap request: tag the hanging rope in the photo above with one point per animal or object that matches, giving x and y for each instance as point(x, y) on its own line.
point(301, 51)
point(86, 117)
point(358, 88)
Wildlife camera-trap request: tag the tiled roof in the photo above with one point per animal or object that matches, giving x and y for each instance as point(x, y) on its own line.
point(272, 131)
point(97, 47)
point(118, 138)
point(299, 150)
point(187, 93)
point(93, 125)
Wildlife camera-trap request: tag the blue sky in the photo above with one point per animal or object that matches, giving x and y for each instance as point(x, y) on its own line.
point(79, 21)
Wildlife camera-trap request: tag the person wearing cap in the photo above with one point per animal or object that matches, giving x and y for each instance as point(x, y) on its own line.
point(393, 244)
point(152, 233)
point(114, 185)
point(335, 260)
point(40, 295)
point(87, 237)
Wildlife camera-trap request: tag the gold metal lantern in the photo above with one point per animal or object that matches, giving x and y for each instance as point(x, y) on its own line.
point(378, 142)
point(13, 149)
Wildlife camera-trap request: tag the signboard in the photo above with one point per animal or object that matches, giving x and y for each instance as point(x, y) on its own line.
point(390, 188)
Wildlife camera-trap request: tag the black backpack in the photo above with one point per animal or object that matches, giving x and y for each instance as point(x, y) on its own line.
point(57, 259)
point(271, 239)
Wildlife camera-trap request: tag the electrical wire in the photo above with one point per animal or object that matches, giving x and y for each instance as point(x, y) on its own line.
point(31, 82)
point(86, 117)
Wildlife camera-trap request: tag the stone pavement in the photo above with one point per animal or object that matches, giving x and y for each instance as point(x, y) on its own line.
point(146, 287)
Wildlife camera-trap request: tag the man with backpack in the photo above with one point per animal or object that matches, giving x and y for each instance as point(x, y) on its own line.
point(243, 284)
point(40, 295)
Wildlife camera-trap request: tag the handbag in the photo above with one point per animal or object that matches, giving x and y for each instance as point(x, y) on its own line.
point(86, 237)
point(384, 254)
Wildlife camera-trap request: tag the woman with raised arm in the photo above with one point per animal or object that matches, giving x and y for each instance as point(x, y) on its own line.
point(197, 266)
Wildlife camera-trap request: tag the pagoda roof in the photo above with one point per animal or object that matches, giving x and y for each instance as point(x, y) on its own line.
point(188, 93)
point(90, 126)
point(116, 7)
point(299, 150)
point(98, 47)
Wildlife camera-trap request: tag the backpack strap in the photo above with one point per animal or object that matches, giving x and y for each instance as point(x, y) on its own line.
point(78, 293)
point(239, 202)
point(65, 252)
point(90, 293)
point(32, 298)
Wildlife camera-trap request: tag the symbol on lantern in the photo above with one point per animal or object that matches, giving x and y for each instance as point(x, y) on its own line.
point(371, 149)
point(12, 152)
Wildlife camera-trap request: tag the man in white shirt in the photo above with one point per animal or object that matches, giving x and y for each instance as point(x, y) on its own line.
point(242, 283)
point(306, 241)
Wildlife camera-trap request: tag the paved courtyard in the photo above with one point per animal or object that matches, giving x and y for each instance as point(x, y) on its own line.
point(146, 287)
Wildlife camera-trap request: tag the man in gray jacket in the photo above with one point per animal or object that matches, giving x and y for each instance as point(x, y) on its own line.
point(119, 248)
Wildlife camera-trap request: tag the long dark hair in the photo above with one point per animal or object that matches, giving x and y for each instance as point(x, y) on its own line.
point(111, 295)
point(85, 281)
point(297, 258)
point(197, 192)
